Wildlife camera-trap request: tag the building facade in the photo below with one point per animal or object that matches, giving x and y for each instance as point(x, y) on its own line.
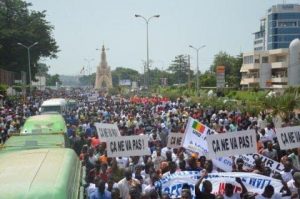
point(278, 28)
point(265, 69)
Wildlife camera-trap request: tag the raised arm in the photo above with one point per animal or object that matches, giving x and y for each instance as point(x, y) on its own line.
point(197, 189)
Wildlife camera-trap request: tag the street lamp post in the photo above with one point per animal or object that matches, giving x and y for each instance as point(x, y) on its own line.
point(89, 69)
point(197, 76)
point(147, 34)
point(29, 67)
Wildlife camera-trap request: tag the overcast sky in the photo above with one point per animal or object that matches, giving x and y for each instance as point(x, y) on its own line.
point(82, 26)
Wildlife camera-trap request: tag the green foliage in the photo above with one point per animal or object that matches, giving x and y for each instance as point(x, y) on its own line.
point(232, 67)
point(208, 79)
point(121, 73)
point(18, 87)
point(3, 88)
point(115, 90)
point(18, 24)
point(52, 79)
point(180, 69)
point(282, 105)
point(87, 80)
point(42, 69)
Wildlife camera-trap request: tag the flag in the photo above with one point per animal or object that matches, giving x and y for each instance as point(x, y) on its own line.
point(198, 126)
point(82, 70)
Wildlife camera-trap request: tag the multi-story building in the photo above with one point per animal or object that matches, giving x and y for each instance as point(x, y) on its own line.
point(278, 28)
point(275, 61)
point(265, 69)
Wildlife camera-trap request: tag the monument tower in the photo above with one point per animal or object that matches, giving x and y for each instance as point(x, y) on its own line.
point(103, 75)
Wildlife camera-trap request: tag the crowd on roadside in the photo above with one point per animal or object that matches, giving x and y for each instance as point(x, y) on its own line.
point(135, 177)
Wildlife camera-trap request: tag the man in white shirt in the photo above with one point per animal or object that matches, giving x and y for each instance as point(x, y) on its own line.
point(270, 133)
point(126, 183)
point(294, 185)
point(122, 162)
point(286, 174)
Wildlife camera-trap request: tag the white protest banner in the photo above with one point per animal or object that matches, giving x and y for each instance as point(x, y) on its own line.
point(195, 135)
point(172, 183)
point(107, 131)
point(93, 98)
point(226, 144)
point(288, 137)
point(175, 140)
point(225, 163)
point(253, 182)
point(125, 146)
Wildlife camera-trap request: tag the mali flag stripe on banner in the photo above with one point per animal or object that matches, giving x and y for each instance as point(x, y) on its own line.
point(198, 126)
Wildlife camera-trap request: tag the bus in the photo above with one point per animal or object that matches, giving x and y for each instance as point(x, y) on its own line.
point(47, 123)
point(55, 105)
point(71, 104)
point(50, 173)
point(41, 131)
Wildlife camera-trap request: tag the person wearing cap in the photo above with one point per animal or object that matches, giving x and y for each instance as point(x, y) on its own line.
point(294, 185)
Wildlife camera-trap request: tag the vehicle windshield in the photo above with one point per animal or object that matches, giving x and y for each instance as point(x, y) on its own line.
point(51, 109)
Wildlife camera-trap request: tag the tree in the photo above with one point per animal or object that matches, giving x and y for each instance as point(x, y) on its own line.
point(51, 80)
point(88, 80)
point(42, 69)
point(282, 105)
point(208, 79)
point(156, 76)
point(232, 67)
point(18, 24)
point(180, 68)
point(121, 73)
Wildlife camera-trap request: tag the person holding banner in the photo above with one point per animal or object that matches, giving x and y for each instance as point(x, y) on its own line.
point(238, 166)
point(206, 188)
point(229, 190)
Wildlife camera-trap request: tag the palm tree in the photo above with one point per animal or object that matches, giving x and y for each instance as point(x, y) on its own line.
point(283, 105)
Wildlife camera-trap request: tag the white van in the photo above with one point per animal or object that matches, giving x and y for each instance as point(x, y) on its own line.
point(56, 105)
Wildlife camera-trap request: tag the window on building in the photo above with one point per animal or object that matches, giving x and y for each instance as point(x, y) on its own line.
point(258, 48)
point(287, 23)
point(265, 60)
point(273, 24)
point(256, 61)
point(258, 42)
point(280, 58)
point(248, 59)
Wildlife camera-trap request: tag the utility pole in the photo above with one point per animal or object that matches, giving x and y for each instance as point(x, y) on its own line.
point(189, 74)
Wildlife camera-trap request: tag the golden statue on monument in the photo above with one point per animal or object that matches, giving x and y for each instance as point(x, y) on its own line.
point(103, 75)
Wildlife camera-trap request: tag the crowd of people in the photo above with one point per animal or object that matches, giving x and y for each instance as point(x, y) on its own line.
point(135, 177)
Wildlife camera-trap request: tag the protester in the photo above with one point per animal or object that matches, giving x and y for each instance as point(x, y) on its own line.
point(139, 176)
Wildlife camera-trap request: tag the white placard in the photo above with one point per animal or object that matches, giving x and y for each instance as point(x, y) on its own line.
point(228, 144)
point(126, 146)
point(288, 137)
point(225, 163)
point(107, 131)
point(93, 98)
point(175, 140)
point(195, 135)
point(172, 183)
